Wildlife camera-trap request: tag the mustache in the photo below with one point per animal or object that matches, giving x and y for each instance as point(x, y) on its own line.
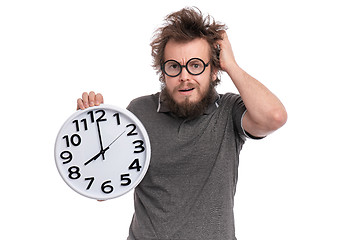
point(184, 85)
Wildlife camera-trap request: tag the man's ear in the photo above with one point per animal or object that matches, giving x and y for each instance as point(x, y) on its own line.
point(214, 74)
point(162, 78)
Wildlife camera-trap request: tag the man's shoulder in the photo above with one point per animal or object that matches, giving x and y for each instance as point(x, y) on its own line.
point(230, 98)
point(144, 102)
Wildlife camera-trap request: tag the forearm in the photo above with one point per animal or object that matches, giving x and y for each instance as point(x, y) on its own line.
point(265, 112)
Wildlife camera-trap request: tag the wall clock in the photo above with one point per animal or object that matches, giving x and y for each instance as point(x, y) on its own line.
point(102, 152)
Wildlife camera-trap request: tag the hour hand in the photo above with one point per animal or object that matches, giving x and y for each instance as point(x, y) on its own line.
point(96, 156)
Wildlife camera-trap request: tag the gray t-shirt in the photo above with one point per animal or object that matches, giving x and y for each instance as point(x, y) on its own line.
point(188, 191)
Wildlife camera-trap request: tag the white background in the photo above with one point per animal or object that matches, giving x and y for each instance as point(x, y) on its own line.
point(302, 182)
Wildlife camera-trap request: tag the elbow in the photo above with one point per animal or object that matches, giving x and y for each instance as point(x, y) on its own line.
point(272, 121)
point(278, 119)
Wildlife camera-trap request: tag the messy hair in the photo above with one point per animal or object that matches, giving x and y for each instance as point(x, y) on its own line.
point(183, 26)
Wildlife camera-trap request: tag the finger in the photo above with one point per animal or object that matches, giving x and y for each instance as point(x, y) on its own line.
point(99, 99)
point(91, 99)
point(80, 104)
point(85, 99)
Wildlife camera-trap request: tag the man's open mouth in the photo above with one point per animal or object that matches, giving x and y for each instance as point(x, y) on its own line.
point(186, 90)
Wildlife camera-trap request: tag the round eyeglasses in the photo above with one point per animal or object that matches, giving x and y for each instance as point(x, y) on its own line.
point(195, 66)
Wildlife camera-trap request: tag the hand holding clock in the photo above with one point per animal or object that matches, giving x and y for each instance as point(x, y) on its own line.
point(89, 100)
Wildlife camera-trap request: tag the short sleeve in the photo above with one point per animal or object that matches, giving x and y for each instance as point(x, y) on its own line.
point(239, 110)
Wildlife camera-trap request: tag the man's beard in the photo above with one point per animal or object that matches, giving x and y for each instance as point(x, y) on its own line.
point(188, 109)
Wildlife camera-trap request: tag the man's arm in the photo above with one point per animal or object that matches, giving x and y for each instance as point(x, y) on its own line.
point(265, 113)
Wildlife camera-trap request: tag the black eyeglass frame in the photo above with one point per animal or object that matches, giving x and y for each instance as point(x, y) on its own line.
point(184, 66)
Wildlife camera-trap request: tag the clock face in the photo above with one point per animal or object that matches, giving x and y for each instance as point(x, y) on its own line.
point(102, 152)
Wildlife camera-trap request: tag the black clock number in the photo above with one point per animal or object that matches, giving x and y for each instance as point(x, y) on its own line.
point(140, 145)
point(117, 116)
point(126, 179)
point(135, 165)
point(132, 131)
point(106, 187)
point(66, 155)
point(75, 140)
point(91, 179)
point(74, 172)
point(102, 114)
point(100, 118)
point(77, 124)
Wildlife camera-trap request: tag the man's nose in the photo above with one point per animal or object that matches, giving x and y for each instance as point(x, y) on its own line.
point(184, 75)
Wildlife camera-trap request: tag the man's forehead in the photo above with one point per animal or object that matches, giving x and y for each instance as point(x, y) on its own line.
point(185, 50)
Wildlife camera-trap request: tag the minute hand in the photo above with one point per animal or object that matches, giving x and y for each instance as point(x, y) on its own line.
point(101, 144)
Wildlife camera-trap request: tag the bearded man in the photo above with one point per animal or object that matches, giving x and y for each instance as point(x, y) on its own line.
point(196, 134)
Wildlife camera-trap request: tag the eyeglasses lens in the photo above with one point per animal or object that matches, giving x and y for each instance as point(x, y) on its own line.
point(195, 66)
point(172, 68)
